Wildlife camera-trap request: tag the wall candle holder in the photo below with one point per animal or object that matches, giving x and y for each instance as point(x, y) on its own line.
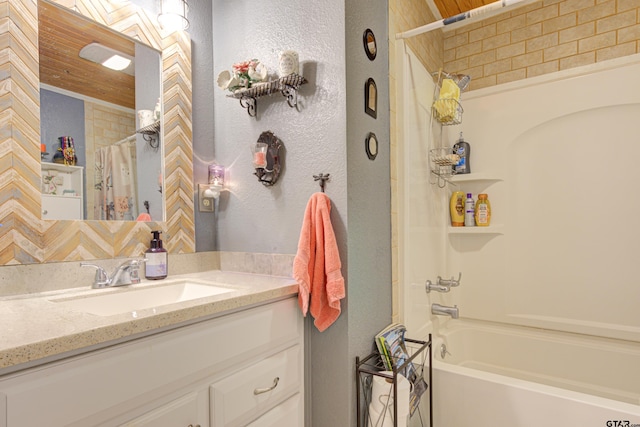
point(267, 159)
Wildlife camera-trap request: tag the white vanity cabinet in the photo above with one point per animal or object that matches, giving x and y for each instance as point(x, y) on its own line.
point(218, 372)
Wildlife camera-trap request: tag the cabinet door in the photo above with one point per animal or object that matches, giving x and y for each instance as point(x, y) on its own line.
point(182, 412)
point(61, 207)
point(287, 414)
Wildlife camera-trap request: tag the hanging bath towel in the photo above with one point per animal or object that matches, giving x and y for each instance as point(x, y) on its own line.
point(316, 266)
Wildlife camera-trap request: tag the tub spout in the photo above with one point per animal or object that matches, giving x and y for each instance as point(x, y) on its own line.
point(444, 310)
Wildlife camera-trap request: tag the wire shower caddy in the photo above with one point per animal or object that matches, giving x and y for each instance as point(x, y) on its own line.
point(445, 112)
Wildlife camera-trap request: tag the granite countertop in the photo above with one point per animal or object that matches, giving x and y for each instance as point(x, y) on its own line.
point(38, 328)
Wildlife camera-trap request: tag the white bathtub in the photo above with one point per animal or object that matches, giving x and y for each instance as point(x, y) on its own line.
point(502, 375)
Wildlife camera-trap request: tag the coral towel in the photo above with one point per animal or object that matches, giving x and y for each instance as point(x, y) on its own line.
point(316, 266)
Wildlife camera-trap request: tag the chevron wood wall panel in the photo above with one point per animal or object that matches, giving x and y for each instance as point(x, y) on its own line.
point(24, 237)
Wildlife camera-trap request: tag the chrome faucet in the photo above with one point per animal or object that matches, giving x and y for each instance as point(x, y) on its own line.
point(442, 285)
point(443, 310)
point(125, 274)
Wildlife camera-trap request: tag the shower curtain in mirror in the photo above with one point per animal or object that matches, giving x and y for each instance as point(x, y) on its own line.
point(115, 189)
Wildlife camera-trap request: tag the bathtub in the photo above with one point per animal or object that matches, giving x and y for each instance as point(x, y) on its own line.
point(495, 375)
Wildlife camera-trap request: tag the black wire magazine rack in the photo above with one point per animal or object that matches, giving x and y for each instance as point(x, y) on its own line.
point(372, 365)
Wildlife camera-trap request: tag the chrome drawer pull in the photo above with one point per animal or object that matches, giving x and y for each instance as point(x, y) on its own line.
point(191, 425)
point(264, 390)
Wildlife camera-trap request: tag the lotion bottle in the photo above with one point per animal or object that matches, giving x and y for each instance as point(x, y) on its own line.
point(456, 209)
point(469, 211)
point(156, 255)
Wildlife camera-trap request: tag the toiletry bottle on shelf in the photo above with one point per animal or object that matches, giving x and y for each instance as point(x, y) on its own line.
point(456, 208)
point(469, 211)
point(462, 149)
point(483, 211)
point(156, 255)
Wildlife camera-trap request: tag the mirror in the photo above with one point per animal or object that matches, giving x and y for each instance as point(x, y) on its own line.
point(29, 239)
point(114, 172)
point(371, 146)
point(369, 42)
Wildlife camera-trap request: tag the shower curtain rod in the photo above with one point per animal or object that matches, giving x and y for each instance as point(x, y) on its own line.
point(457, 18)
point(127, 139)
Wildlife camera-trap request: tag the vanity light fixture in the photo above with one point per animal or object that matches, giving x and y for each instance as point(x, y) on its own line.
point(216, 181)
point(110, 58)
point(173, 15)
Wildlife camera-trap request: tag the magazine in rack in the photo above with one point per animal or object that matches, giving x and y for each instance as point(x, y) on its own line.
point(394, 354)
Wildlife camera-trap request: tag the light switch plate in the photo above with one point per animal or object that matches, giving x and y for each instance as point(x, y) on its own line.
point(205, 204)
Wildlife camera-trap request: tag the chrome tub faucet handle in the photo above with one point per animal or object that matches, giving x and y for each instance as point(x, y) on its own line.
point(429, 286)
point(450, 283)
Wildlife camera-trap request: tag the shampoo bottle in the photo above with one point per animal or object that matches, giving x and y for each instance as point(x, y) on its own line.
point(156, 255)
point(483, 211)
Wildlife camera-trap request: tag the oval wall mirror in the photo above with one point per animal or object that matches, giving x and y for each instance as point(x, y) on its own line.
point(370, 47)
point(371, 146)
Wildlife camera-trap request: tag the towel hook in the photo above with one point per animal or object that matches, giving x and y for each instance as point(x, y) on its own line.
point(322, 178)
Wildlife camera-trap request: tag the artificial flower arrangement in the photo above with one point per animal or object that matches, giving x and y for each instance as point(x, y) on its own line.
point(245, 74)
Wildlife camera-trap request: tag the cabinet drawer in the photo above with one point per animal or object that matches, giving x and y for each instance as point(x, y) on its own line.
point(256, 389)
point(287, 414)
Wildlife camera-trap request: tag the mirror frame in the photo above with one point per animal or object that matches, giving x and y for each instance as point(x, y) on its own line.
point(26, 238)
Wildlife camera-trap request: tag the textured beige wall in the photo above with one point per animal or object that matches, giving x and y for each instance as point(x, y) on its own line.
point(541, 38)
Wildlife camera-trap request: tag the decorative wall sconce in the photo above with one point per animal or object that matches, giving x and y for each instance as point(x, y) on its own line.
point(266, 158)
point(173, 15)
point(216, 181)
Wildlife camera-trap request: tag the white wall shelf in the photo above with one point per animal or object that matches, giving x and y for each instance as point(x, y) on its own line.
point(492, 229)
point(474, 177)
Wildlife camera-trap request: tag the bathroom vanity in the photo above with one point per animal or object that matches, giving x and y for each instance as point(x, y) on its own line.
point(234, 359)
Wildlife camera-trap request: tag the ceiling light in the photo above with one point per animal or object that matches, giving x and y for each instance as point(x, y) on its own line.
point(173, 15)
point(108, 57)
point(117, 62)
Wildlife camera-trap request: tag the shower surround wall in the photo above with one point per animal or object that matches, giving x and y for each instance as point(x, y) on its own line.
point(325, 134)
point(523, 42)
point(560, 155)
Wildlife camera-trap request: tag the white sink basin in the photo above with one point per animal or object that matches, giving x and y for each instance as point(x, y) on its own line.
point(136, 299)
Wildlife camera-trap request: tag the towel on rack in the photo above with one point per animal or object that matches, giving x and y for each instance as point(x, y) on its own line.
point(316, 266)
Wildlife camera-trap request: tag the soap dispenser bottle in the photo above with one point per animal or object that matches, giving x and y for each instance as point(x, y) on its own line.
point(462, 149)
point(156, 255)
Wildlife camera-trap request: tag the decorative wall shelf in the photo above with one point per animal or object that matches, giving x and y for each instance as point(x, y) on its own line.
point(151, 134)
point(287, 85)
